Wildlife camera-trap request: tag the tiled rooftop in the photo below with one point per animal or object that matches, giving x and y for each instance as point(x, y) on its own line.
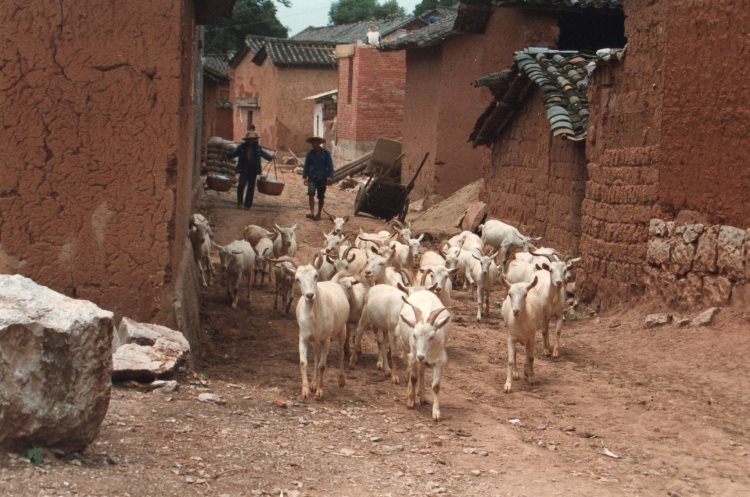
point(294, 53)
point(561, 76)
point(427, 36)
point(350, 33)
point(558, 4)
point(216, 66)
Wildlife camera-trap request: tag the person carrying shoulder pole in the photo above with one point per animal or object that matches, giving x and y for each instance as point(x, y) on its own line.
point(248, 166)
point(317, 174)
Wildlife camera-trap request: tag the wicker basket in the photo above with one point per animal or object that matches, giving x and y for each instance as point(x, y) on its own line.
point(219, 182)
point(270, 187)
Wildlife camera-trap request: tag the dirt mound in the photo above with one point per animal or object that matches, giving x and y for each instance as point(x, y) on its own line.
point(444, 218)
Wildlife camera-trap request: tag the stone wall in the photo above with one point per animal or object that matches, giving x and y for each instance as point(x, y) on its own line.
point(97, 170)
point(536, 181)
point(693, 264)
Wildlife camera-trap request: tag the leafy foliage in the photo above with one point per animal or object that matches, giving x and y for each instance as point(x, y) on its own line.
point(34, 455)
point(250, 17)
point(431, 4)
point(348, 11)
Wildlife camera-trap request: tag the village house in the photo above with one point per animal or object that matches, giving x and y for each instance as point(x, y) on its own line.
point(101, 151)
point(270, 79)
point(445, 58)
point(370, 101)
point(625, 158)
point(217, 108)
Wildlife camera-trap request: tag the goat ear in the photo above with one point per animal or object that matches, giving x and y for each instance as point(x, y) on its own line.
point(432, 287)
point(421, 237)
point(294, 227)
point(287, 270)
point(545, 266)
point(572, 261)
point(533, 283)
point(346, 219)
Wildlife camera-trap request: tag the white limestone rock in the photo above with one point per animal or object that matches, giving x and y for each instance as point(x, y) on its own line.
point(145, 352)
point(55, 367)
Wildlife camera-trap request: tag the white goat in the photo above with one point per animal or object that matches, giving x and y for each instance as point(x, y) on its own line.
point(355, 291)
point(237, 260)
point(325, 265)
point(377, 271)
point(381, 310)
point(338, 223)
point(504, 237)
point(431, 258)
point(284, 277)
point(404, 230)
point(200, 240)
point(368, 240)
point(482, 275)
point(332, 243)
point(426, 338)
point(263, 250)
point(322, 312)
point(285, 242)
point(253, 233)
point(551, 292)
point(439, 277)
point(351, 261)
point(521, 312)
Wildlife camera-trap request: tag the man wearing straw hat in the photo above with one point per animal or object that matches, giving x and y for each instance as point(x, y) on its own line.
point(317, 174)
point(249, 153)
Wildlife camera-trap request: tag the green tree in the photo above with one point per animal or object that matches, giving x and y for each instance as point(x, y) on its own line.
point(431, 4)
point(249, 17)
point(347, 11)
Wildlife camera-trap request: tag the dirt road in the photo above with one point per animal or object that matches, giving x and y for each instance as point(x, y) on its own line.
point(671, 404)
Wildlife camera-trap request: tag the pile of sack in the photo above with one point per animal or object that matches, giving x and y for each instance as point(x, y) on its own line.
point(216, 161)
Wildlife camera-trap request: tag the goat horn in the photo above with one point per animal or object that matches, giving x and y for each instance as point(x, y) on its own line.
point(397, 223)
point(406, 275)
point(417, 312)
point(379, 242)
point(434, 314)
point(541, 255)
point(424, 277)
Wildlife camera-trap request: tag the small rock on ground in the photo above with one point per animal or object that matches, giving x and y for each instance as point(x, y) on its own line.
point(654, 320)
point(706, 317)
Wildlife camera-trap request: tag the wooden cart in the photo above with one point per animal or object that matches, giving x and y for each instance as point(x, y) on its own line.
point(385, 198)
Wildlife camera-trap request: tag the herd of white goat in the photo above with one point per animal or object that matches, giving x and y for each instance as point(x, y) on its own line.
point(388, 283)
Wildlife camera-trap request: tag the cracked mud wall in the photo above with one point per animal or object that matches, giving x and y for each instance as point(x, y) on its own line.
point(97, 175)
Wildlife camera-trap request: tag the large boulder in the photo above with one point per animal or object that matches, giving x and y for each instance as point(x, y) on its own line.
point(145, 352)
point(55, 367)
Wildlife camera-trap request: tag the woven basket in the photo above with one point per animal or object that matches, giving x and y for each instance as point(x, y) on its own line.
point(270, 187)
point(220, 183)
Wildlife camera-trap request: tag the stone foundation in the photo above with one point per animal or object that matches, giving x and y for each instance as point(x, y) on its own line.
point(693, 265)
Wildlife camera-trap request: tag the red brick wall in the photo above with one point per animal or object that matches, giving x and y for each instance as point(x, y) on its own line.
point(377, 96)
point(98, 138)
point(536, 181)
point(453, 162)
point(623, 150)
point(705, 114)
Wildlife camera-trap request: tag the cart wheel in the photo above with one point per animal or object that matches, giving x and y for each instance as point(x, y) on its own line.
point(404, 212)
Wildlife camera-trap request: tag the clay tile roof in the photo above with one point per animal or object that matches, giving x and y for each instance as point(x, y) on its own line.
point(576, 5)
point(429, 35)
point(216, 66)
point(350, 33)
point(293, 53)
point(561, 76)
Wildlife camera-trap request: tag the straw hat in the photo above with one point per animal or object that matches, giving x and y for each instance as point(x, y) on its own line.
point(252, 135)
point(316, 139)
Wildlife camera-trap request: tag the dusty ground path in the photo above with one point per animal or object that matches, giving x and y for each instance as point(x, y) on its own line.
point(672, 403)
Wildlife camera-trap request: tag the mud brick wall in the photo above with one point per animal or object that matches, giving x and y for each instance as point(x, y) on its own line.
point(97, 168)
point(705, 112)
point(694, 264)
point(371, 104)
point(536, 181)
point(623, 153)
point(442, 105)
